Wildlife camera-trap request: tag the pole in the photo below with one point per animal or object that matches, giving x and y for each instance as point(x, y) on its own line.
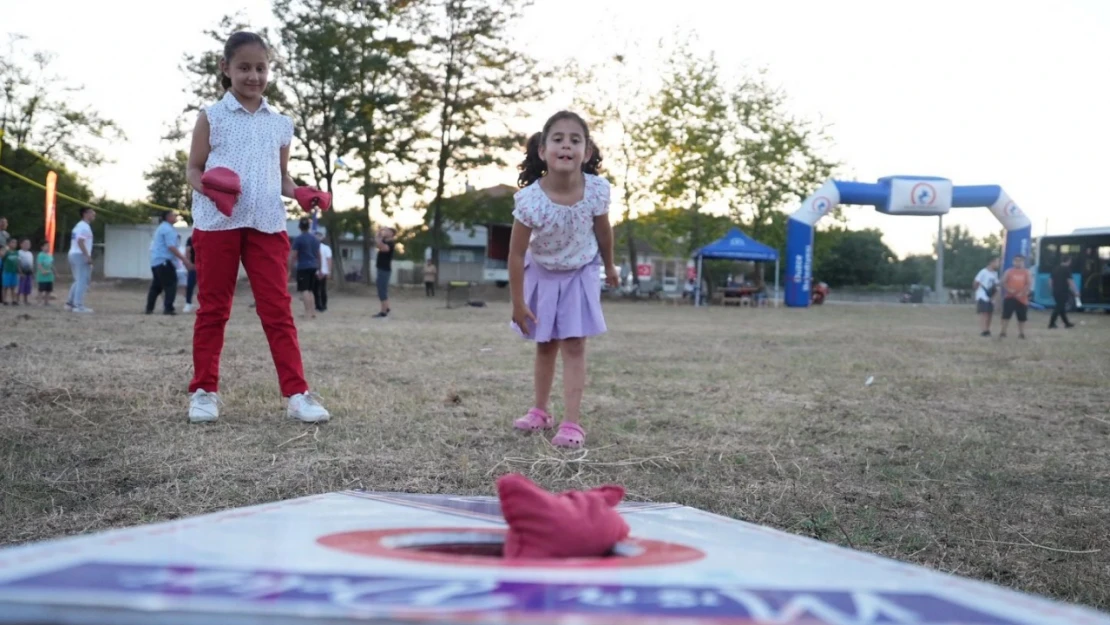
point(697, 286)
point(939, 281)
point(776, 283)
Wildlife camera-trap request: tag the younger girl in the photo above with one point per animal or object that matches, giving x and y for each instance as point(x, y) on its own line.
point(242, 133)
point(561, 236)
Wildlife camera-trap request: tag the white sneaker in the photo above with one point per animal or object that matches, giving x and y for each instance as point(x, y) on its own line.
point(188, 308)
point(204, 407)
point(82, 309)
point(306, 407)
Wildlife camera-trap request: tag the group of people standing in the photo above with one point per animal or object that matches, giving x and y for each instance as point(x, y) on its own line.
point(1016, 286)
point(21, 269)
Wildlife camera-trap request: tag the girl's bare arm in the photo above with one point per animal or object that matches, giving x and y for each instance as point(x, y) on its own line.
point(198, 152)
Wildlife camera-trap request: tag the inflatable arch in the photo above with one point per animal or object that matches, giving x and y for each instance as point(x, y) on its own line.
point(894, 195)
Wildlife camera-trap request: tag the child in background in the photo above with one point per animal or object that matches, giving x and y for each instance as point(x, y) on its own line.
point(44, 274)
point(26, 270)
point(10, 275)
point(561, 235)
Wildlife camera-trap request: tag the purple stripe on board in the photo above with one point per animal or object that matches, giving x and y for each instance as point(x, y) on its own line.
point(243, 588)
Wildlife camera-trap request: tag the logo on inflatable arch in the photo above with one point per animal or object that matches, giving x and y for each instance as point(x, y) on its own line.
point(1011, 209)
point(923, 194)
point(820, 205)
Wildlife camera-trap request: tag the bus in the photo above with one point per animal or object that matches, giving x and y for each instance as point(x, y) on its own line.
point(1089, 250)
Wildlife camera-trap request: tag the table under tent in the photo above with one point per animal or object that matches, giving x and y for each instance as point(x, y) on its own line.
point(735, 246)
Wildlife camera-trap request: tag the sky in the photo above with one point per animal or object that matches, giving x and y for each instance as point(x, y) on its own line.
point(979, 91)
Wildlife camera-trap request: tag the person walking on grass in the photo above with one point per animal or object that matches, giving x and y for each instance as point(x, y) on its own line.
point(1063, 290)
point(985, 287)
point(44, 274)
point(561, 235)
point(81, 261)
point(386, 243)
point(304, 262)
point(429, 278)
point(242, 133)
point(163, 251)
point(321, 294)
point(1017, 284)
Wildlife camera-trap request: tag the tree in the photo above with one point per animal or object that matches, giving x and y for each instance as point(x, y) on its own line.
point(852, 257)
point(475, 78)
point(774, 160)
point(167, 184)
point(915, 269)
point(964, 255)
point(614, 100)
point(23, 203)
point(39, 110)
point(685, 138)
point(316, 77)
point(384, 108)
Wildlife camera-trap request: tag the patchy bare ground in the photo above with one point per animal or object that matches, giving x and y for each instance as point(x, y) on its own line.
point(978, 457)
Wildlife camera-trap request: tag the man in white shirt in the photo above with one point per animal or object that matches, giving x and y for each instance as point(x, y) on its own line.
point(81, 261)
point(986, 287)
point(321, 292)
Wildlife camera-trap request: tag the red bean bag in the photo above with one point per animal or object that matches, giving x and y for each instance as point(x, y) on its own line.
point(574, 524)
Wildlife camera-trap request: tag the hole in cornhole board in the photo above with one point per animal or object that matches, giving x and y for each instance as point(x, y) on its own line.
point(481, 547)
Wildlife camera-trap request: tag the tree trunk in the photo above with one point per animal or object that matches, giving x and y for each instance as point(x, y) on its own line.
point(367, 238)
point(437, 211)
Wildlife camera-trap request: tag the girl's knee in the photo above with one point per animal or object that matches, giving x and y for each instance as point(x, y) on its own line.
point(574, 348)
point(548, 348)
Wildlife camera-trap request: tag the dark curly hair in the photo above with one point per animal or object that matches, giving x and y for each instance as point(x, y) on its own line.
point(532, 168)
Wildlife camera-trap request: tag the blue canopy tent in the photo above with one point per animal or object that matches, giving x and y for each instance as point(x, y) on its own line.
point(736, 246)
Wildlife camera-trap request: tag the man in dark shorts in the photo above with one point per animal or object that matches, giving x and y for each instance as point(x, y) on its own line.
point(305, 261)
point(386, 242)
point(1017, 284)
point(1063, 289)
point(985, 287)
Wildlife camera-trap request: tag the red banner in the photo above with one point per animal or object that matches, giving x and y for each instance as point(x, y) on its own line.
point(643, 270)
point(51, 200)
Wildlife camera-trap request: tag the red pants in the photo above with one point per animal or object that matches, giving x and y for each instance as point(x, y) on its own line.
point(266, 258)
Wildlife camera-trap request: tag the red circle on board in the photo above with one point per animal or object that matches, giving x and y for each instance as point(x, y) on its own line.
point(372, 543)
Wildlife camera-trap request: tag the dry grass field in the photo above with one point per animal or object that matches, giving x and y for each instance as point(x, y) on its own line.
point(978, 457)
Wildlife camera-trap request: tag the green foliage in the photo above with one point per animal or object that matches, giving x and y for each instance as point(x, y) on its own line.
point(39, 110)
point(774, 157)
point(24, 204)
point(474, 78)
point(167, 183)
point(685, 139)
point(669, 231)
point(964, 255)
point(844, 257)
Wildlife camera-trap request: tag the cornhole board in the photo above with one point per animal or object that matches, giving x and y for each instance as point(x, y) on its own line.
point(358, 557)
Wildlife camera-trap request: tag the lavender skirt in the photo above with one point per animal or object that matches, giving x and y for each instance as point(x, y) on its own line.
point(567, 304)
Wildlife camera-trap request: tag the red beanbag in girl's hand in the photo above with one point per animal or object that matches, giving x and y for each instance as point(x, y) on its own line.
point(574, 524)
point(221, 185)
point(305, 196)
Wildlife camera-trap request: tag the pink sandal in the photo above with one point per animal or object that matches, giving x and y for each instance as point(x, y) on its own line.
point(535, 420)
point(570, 435)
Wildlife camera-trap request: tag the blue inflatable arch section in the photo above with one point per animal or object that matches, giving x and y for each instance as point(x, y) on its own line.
point(894, 195)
